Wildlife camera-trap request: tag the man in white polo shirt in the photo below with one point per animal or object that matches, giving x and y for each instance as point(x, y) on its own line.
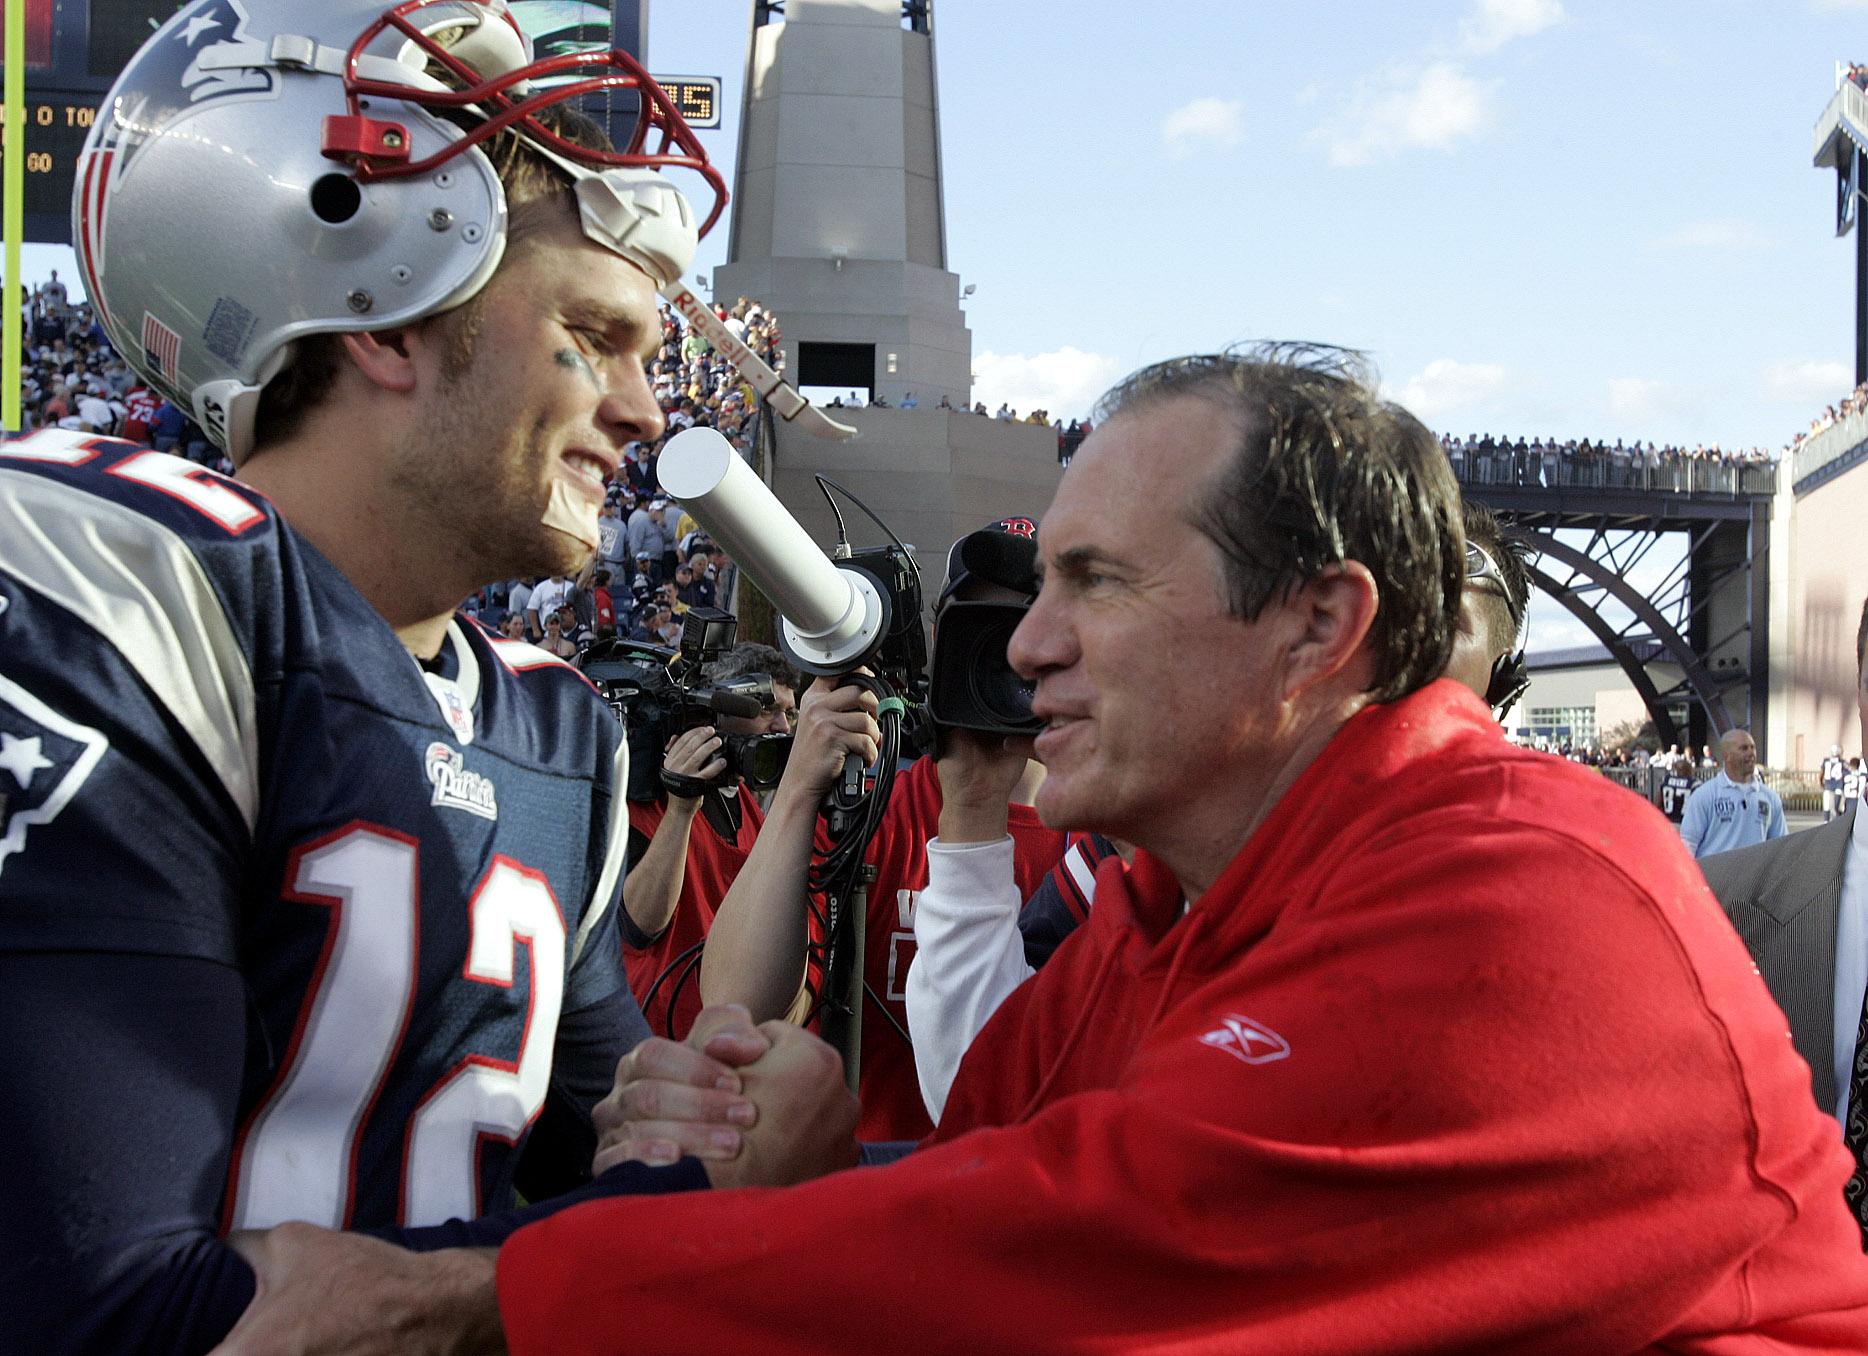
point(1733, 809)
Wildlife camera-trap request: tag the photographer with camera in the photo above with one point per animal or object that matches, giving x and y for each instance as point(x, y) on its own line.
point(687, 845)
point(757, 954)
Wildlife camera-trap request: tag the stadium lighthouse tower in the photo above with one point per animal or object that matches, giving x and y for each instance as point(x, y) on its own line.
point(838, 227)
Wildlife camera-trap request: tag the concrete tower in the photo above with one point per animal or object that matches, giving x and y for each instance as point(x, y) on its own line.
point(838, 226)
point(837, 215)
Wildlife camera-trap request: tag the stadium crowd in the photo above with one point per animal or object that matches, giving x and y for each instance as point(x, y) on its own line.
point(1481, 459)
point(1855, 402)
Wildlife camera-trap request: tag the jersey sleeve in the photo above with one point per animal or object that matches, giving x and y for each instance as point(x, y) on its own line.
point(125, 1074)
point(129, 777)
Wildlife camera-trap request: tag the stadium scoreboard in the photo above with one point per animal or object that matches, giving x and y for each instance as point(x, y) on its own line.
point(74, 50)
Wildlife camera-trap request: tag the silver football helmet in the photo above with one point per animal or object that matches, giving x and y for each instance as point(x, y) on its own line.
point(265, 170)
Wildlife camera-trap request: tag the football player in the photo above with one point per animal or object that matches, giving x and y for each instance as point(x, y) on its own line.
point(308, 887)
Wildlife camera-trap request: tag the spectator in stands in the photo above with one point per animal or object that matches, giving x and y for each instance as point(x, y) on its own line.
point(693, 590)
point(603, 604)
point(647, 538)
point(548, 596)
point(555, 640)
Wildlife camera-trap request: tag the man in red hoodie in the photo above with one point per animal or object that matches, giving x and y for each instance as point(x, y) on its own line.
point(1393, 1039)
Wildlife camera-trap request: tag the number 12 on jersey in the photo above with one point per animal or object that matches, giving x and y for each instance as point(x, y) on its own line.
point(296, 1157)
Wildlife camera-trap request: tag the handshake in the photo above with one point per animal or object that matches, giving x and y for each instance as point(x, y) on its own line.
point(763, 1105)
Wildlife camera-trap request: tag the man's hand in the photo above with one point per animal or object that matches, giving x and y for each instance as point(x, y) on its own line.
point(674, 1098)
point(978, 774)
point(324, 1294)
point(833, 723)
point(807, 1114)
point(692, 754)
point(760, 1106)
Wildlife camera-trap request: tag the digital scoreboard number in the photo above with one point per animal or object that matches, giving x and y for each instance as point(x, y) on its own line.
point(696, 97)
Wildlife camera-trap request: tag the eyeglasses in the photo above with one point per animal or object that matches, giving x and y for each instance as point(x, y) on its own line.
point(1480, 565)
point(1483, 570)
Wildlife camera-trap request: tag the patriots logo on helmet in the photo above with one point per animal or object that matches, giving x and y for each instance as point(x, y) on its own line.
point(44, 759)
point(212, 29)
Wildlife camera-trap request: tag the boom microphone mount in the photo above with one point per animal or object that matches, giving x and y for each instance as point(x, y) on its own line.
point(834, 617)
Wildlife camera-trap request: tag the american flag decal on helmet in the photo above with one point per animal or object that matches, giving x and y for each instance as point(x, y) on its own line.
point(162, 346)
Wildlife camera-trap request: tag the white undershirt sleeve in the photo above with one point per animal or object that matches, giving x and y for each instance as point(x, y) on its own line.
point(968, 956)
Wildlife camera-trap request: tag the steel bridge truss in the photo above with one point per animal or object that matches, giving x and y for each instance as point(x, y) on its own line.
point(1619, 569)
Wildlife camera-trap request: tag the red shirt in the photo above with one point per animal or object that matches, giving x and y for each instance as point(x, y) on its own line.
point(1458, 1054)
point(889, 1088)
point(139, 412)
point(712, 865)
point(606, 610)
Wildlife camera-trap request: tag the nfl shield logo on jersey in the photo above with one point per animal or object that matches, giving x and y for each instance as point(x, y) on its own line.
point(44, 759)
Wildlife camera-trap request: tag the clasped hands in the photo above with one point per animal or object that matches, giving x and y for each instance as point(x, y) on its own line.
point(762, 1105)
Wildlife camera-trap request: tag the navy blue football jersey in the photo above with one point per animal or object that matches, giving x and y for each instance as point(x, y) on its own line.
point(212, 749)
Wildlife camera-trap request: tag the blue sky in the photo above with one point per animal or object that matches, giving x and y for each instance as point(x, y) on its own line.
point(1542, 216)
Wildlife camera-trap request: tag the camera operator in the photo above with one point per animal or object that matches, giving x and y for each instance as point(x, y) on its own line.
point(686, 847)
point(761, 934)
point(975, 943)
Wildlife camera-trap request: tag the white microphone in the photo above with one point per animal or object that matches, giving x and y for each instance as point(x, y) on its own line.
point(832, 618)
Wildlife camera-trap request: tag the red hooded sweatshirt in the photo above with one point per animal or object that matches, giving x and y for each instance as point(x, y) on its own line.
point(1458, 1055)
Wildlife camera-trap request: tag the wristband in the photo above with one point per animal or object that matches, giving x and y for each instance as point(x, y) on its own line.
point(685, 786)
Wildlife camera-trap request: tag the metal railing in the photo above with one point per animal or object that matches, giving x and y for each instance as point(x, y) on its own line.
point(1603, 471)
point(1828, 445)
point(1799, 790)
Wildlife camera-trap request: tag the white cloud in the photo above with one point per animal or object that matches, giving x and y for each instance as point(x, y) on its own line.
point(1646, 398)
point(1809, 382)
point(1716, 233)
point(1445, 384)
point(1493, 23)
point(1220, 122)
point(1066, 382)
point(1433, 106)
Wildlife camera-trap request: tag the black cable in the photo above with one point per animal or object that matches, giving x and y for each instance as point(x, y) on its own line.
point(823, 480)
point(900, 1030)
point(674, 995)
point(648, 998)
point(843, 536)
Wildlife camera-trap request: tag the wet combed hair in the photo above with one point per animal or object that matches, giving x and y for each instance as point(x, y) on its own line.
point(751, 657)
point(536, 191)
point(1325, 471)
point(1503, 616)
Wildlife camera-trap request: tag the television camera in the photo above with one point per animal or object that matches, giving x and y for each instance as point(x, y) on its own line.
point(658, 692)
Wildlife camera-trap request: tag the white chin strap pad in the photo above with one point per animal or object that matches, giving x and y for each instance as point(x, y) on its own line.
point(642, 217)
